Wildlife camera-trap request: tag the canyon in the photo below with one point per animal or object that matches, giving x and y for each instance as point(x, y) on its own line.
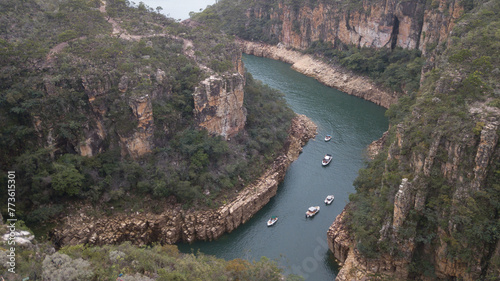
point(441, 151)
point(375, 24)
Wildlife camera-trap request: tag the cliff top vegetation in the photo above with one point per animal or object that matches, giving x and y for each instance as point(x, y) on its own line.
point(131, 263)
point(74, 75)
point(456, 106)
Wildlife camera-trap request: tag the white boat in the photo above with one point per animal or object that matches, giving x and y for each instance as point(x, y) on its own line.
point(329, 199)
point(312, 211)
point(328, 137)
point(272, 220)
point(326, 160)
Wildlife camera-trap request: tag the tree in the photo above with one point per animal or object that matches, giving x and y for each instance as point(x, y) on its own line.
point(67, 179)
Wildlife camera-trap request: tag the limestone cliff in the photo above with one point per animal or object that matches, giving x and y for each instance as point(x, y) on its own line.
point(219, 106)
point(382, 23)
point(175, 224)
point(429, 198)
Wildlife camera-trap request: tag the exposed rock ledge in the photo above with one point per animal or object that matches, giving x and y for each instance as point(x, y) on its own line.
point(331, 76)
point(175, 224)
point(354, 265)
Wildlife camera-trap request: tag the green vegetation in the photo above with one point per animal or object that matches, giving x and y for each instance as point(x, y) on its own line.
point(135, 264)
point(228, 16)
point(398, 69)
point(53, 98)
point(465, 218)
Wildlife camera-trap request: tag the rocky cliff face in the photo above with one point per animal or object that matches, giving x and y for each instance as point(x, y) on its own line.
point(378, 24)
point(467, 180)
point(218, 102)
point(175, 224)
point(332, 76)
point(439, 219)
point(219, 106)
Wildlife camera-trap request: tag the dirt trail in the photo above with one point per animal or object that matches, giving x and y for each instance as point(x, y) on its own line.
point(187, 46)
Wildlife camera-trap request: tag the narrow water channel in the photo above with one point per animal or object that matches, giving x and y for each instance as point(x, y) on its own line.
point(299, 244)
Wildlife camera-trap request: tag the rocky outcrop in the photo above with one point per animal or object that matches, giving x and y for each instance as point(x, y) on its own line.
point(175, 224)
point(463, 160)
point(377, 24)
point(332, 76)
point(218, 102)
point(118, 110)
point(339, 241)
point(140, 142)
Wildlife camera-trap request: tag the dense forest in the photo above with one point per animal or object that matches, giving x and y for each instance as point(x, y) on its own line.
point(50, 60)
point(71, 73)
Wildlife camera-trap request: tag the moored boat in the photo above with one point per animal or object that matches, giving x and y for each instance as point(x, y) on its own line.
point(329, 199)
point(312, 211)
point(326, 160)
point(328, 137)
point(272, 220)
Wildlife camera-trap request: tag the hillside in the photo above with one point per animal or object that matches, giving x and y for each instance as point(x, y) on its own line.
point(427, 207)
point(111, 111)
point(103, 103)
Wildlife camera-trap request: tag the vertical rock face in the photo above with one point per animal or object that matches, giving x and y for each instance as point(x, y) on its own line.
point(382, 23)
point(462, 161)
point(140, 142)
point(134, 142)
point(116, 101)
point(218, 102)
point(402, 204)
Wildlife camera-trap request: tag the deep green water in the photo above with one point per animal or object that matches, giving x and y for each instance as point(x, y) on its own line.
point(297, 243)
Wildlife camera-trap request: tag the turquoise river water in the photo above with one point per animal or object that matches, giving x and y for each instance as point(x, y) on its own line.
point(296, 243)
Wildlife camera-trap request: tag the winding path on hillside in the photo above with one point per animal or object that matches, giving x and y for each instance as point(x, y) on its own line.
point(119, 32)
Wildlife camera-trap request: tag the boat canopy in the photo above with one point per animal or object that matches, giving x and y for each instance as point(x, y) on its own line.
point(312, 209)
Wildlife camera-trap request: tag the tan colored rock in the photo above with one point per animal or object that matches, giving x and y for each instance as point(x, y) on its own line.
point(218, 102)
point(140, 142)
point(378, 24)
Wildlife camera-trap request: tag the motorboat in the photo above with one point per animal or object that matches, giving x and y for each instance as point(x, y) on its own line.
point(326, 160)
point(328, 137)
point(272, 220)
point(329, 199)
point(313, 210)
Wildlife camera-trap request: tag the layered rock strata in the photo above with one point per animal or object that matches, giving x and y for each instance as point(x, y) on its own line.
point(377, 24)
point(331, 76)
point(218, 102)
point(463, 161)
point(175, 224)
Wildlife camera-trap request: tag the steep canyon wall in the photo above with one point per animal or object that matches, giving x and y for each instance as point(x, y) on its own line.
point(444, 152)
point(377, 24)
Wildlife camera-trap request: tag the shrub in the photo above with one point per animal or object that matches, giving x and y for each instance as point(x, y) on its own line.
point(60, 267)
point(67, 179)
